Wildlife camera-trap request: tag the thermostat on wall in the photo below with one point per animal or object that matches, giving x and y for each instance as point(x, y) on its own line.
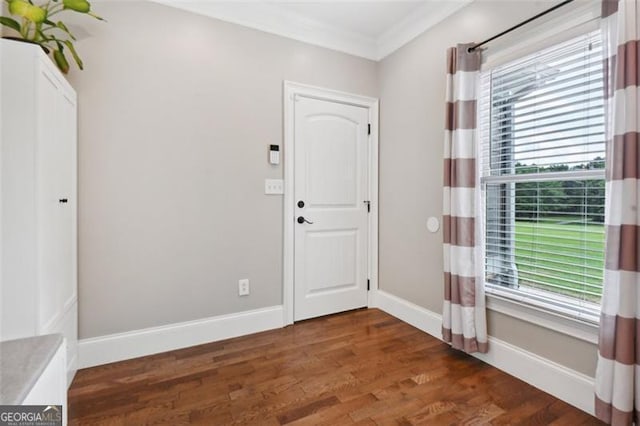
point(274, 154)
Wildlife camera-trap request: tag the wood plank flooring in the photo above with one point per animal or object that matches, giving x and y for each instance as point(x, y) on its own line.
point(362, 367)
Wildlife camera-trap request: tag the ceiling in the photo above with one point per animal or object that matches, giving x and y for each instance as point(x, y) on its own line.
point(370, 29)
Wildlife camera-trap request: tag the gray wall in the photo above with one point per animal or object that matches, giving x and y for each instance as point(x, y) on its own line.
point(176, 114)
point(412, 92)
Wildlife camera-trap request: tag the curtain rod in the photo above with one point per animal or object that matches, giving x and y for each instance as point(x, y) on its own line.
point(521, 24)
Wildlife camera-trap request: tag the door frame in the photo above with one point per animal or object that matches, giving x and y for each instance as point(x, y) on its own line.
point(291, 91)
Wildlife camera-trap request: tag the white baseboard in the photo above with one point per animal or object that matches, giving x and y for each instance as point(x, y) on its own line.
point(564, 383)
point(417, 316)
point(149, 341)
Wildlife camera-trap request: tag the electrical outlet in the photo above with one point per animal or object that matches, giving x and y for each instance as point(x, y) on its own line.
point(243, 287)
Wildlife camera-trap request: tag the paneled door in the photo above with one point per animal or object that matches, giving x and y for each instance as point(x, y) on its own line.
point(50, 154)
point(57, 204)
point(331, 207)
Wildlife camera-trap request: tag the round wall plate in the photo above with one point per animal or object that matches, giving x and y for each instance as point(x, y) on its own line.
point(433, 224)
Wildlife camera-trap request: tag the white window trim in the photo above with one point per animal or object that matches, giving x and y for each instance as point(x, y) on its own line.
point(576, 19)
point(579, 19)
point(542, 315)
point(541, 177)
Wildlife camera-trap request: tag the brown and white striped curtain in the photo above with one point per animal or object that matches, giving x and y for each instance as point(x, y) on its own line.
point(464, 314)
point(618, 373)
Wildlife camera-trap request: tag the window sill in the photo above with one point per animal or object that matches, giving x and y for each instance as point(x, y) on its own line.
point(504, 302)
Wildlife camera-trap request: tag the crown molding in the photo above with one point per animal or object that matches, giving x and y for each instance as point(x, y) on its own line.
point(415, 24)
point(270, 17)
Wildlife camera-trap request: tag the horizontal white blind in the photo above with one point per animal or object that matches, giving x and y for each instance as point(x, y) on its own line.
point(542, 156)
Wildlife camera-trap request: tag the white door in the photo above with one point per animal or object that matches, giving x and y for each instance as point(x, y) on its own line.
point(50, 152)
point(331, 194)
point(56, 204)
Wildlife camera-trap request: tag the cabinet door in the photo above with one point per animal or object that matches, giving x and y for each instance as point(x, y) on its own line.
point(67, 211)
point(49, 213)
point(51, 387)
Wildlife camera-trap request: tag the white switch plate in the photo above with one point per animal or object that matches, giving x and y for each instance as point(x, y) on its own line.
point(243, 287)
point(273, 186)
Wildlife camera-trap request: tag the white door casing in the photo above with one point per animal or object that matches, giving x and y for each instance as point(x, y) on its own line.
point(331, 165)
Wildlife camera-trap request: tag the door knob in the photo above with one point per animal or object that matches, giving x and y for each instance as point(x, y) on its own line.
point(303, 220)
point(301, 204)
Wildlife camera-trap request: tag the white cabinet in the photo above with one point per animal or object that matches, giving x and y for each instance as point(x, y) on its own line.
point(39, 203)
point(51, 386)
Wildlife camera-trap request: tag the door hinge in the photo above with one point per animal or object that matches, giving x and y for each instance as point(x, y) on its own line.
point(368, 285)
point(369, 128)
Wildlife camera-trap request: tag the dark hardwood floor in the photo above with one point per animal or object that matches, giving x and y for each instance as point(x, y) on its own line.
point(361, 367)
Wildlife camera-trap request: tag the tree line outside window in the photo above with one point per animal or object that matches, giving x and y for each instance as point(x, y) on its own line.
point(584, 198)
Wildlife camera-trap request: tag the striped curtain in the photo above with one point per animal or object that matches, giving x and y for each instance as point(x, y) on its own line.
point(463, 314)
point(618, 374)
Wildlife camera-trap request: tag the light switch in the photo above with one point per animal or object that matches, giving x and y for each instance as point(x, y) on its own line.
point(273, 186)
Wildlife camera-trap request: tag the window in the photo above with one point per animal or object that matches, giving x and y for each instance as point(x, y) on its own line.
point(543, 151)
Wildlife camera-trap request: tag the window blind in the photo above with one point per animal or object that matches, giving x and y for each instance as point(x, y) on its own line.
point(542, 164)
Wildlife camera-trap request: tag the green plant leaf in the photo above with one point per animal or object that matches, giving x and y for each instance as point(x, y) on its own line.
point(61, 60)
point(64, 28)
point(28, 11)
point(75, 55)
point(44, 38)
point(99, 18)
point(11, 23)
point(81, 6)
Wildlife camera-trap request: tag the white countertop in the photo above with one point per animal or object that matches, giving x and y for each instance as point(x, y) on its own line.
point(22, 362)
